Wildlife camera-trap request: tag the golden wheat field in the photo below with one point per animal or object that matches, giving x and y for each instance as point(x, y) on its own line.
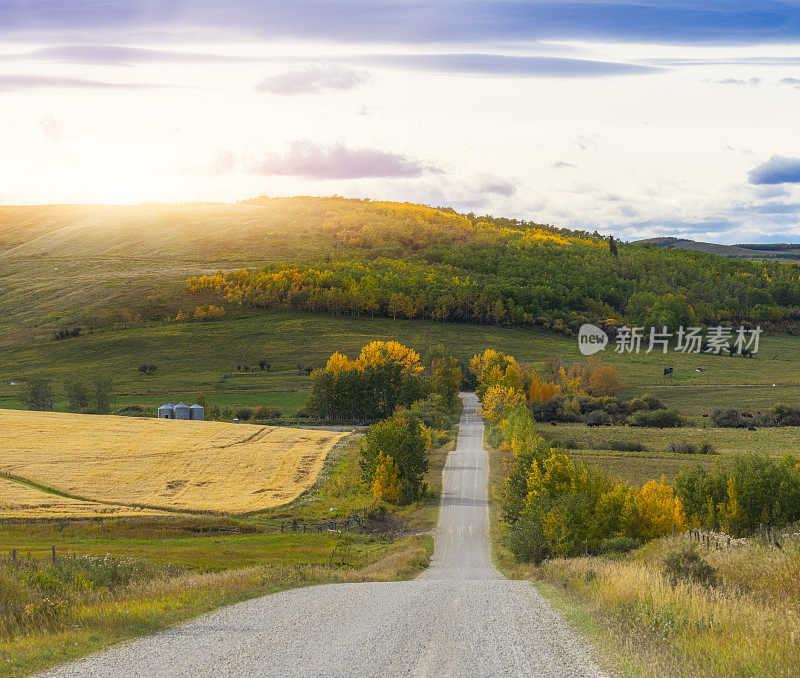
point(162, 463)
point(22, 501)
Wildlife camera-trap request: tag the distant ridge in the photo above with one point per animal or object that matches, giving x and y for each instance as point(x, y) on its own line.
point(754, 251)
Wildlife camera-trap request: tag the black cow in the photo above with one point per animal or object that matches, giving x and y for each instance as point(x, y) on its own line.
point(667, 371)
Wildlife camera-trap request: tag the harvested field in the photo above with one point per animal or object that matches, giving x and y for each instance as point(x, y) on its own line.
point(22, 501)
point(161, 463)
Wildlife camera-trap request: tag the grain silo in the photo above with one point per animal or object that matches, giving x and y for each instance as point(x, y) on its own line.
point(167, 411)
point(197, 412)
point(181, 411)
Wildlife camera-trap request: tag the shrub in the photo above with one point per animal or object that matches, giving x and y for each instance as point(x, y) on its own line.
point(266, 412)
point(689, 567)
point(244, 413)
point(785, 415)
point(386, 485)
point(645, 402)
point(598, 418)
point(728, 419)
point(442, 438)
point(656, 418)
point(132, 411)
point(554, 409)
point(691, 448)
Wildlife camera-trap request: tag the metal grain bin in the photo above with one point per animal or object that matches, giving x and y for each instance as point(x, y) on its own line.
point(197, 412)
point(166, 411)
point(181, 411)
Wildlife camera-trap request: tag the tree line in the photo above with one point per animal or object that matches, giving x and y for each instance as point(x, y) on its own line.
point(410, 261)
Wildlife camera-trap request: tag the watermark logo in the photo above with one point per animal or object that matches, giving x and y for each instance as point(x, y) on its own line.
point(717, 340)
point(591, 339)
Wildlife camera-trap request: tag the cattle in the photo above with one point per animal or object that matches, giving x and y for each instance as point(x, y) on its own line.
point(700, 369)
point(667, 371)
point(752, 428)
point(705, 415)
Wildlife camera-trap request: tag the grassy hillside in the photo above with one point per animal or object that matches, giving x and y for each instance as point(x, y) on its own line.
point(194, 357)
point(99, 266)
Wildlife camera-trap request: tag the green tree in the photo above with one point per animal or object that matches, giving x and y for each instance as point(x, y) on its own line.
point(78, 393)
point(446, 379)
point(401, 437)
point(38, 395)
point(102, 395)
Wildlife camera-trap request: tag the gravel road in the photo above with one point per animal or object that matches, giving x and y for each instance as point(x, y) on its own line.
point(458, 618)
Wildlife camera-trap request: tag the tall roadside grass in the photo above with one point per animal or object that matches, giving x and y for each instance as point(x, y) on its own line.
point(680, 610)
point(54, 612)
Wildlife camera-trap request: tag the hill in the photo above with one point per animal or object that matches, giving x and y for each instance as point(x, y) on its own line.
point(97, 266)
point(755, 251)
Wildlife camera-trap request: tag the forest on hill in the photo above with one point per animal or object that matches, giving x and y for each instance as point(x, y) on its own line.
point(402, 260)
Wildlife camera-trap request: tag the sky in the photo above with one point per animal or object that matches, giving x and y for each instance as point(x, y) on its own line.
point(633, 118)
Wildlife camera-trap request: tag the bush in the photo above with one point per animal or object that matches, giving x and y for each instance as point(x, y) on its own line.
point(756, 490)
point(784, 415)
point(689, 567)
point(244, 413)
point(691, 448)
point(656, 418)
point(598, 418)
point(386, 485)
point(266, 412)
point(554, 409)
point(728, 419)
point(132, 411)
point(646, 402)
point(442, 438)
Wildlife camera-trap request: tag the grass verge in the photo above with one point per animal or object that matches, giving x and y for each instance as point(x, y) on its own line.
point(735, 612)
point(52, 613)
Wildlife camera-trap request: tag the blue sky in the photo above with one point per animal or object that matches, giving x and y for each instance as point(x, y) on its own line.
point(633, 118)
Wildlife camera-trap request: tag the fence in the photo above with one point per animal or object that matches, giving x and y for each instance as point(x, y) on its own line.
point(716, 540)
point(355, 519)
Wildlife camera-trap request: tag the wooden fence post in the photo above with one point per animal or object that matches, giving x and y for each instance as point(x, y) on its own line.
point(53, 551)
point(13, 555)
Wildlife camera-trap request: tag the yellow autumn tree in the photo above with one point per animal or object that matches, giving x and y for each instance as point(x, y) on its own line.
point(498, 399)
point(604, 381)
point(653, 510)
point(386, 485)
point(495, 368)
point(378, 353)
point(339, 363)
point(540, 391)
